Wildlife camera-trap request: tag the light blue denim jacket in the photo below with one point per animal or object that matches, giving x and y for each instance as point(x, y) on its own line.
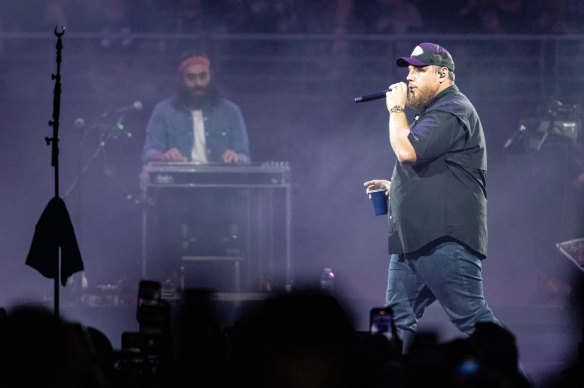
point(171, 125)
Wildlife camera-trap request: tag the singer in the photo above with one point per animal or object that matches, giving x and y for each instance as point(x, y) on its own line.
point(437, 200)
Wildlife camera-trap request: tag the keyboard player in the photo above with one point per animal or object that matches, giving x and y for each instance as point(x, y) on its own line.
point(194, 125)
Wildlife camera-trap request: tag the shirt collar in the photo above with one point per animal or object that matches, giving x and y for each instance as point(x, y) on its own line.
point(440, 96)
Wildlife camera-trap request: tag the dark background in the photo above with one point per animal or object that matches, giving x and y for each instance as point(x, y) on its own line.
point(296, 90)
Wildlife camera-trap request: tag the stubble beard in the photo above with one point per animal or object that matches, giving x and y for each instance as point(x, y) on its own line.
point(420, 97)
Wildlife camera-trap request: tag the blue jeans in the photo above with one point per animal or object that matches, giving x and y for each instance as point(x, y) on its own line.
point(447, 272)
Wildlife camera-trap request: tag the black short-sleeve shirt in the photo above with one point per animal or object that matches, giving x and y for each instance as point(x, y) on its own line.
point(444, 193)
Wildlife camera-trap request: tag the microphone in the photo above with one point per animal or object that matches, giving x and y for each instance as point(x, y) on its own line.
point(515, 135)
point(136, 106)
point(372, 96)
point(78, 123)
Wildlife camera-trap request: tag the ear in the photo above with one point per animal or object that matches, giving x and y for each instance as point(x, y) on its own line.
point(443, 72)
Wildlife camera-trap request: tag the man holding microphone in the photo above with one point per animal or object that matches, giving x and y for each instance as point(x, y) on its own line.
point(437, 204)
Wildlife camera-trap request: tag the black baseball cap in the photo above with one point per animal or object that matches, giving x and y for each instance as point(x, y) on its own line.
point(426, 54)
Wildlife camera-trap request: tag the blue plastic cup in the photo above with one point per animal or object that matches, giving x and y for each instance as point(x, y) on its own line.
point(379, 201)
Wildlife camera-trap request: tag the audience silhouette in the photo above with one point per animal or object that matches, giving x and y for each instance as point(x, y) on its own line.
point(39, 349)
point(303, 338)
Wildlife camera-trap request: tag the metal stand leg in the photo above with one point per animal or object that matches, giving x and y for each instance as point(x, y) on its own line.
point(144, 235)
point(237, 276)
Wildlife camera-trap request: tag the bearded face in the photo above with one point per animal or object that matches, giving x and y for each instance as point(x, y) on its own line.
point(423, 86)
point(196, 88)
point(420, 95)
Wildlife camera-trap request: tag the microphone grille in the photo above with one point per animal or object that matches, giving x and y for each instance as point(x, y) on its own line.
point(79, 123)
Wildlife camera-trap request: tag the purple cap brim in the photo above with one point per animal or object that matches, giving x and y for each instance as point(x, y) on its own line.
point(406, 61)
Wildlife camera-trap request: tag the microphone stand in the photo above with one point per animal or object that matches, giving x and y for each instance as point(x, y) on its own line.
point(104, 139)
point(54, 142)
point(54, 251)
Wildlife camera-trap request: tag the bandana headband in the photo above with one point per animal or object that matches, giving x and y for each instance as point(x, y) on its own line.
point(198, 60)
